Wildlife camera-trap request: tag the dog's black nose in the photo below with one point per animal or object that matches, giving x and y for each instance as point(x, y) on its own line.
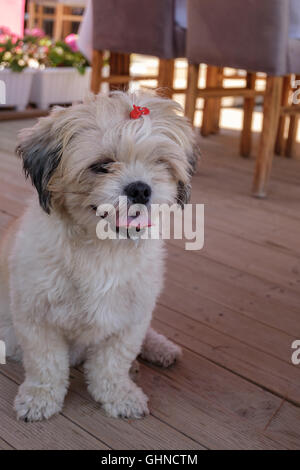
point(138, 192)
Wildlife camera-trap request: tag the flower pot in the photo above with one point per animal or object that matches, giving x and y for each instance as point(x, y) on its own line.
point(17, 87)
point(59, 85)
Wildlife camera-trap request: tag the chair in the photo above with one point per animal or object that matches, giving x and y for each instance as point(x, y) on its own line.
point(255, 35)
point(62, 15)
point(155, 28)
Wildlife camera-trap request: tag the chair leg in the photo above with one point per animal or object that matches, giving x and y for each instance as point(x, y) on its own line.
point(280, 139)
point(249, 103)
point(58, 22)
point(264, 159)
point(31, 15)
point(66, 25)
point(166, 76)
point(212, 105)
point(215, 125)
point(39, 22)
point(191, 91)
point(292, 135)
point(97, 64)
point(119, 65)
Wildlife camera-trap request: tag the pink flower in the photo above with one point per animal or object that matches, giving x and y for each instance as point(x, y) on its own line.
point(14, 38)
point(36, 32)
point(71, 41)
point(4, 36)
point(4, 30)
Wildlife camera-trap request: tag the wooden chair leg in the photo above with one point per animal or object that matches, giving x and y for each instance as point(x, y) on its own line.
point(31, 15)
point(249, 103)
point(215, 124)
point(292, 134)
point(166, 77)
point(119, 65)
point(39, 22)
point(67, 25)
point(191, 91)
point(211, 106)
point(97, 64)
point(280, 139)
point(58, 21)
point(264, 159)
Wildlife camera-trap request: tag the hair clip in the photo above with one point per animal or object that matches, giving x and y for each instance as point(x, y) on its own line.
point(137, 112)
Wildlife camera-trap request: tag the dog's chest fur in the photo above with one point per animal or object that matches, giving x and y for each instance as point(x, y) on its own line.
point(91, 290)
point(113, 288)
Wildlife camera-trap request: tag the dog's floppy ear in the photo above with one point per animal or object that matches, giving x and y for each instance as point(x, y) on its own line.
point(40, 149)
point(184, 188)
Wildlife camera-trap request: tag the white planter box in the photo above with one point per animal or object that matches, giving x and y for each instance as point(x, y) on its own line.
point(59, 86)
point(17, 87)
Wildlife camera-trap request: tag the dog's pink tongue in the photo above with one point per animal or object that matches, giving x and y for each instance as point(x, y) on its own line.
point(140, 221)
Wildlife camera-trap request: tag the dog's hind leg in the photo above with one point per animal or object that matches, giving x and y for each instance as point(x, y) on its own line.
point(159, 350)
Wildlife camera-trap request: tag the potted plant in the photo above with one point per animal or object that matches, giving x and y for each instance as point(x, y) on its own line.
point(63, 75)
point(17, 65)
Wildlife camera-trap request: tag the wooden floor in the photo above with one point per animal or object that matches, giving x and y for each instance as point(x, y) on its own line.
point(234, 307)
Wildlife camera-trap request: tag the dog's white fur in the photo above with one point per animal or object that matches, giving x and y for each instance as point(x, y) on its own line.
point(68, 297)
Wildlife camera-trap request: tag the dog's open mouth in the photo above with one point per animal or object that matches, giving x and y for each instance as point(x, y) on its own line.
point(142, 219)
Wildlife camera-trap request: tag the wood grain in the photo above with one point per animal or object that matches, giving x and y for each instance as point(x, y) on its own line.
point(57, 433)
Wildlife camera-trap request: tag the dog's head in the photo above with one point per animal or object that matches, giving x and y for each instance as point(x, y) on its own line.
point(92, 153)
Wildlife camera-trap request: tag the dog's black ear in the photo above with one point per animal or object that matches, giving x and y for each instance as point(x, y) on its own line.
point(40, 150)
point(184, 189)
point(183, 193)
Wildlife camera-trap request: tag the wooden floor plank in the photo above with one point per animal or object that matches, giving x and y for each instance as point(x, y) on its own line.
point(5, 446)
point(263, 228)
point(235, 322)
point(255, 365)
point(57, 433)
point(227, 184)
point(250, 405)
point(172, 403)
point(9, 132)
point(264, 262)
point(284, 426)
point(259, 299)
point(190, 409)
point(149, 433)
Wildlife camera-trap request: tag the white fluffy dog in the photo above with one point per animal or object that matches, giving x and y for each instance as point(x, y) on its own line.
point(68, 297)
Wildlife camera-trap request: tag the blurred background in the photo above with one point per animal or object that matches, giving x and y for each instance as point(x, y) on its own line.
point(234, 66)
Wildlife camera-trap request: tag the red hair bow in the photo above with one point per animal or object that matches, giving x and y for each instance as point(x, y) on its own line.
point(137, 112)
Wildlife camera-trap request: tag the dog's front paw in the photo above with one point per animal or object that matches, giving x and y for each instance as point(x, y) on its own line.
point(132, 404)
point(35, 403)
point(159, 350)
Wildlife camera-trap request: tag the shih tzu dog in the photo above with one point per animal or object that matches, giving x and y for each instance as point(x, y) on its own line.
point(68, 297)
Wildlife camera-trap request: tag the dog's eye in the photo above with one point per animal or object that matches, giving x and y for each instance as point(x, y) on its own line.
point(101, 166)
point(164, 162)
